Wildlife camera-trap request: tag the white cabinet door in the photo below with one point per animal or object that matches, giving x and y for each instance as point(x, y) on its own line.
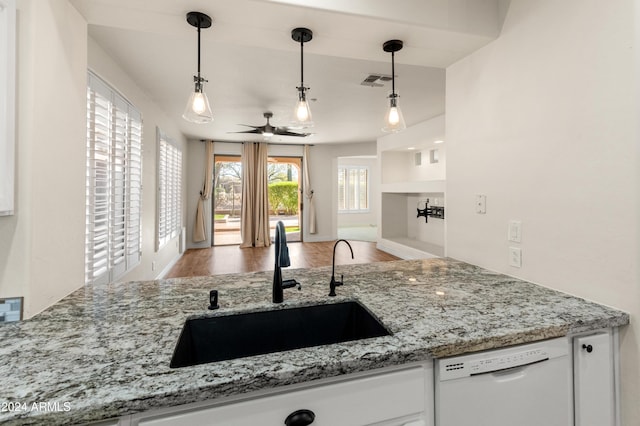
point(369, 400)
point(594, 380)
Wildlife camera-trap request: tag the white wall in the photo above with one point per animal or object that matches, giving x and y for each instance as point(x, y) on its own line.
point(42, 249)
point(543, 121)
point(152, 116)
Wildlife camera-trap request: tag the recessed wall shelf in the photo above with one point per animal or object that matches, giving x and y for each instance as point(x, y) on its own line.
point(412, 171)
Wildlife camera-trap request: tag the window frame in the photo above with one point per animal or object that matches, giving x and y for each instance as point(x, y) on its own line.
point(7, 106)
point(358, 210)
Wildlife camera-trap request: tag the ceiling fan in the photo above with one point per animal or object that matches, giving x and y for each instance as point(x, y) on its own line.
point(268, 130)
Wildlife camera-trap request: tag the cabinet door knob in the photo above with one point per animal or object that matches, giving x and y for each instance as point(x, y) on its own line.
point(588, 348)
point(300, 418)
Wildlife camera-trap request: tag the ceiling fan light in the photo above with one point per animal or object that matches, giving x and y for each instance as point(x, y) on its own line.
point(393, 119)
point(269, 130)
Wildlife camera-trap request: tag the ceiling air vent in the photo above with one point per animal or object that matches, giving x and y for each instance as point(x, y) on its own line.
point(375, 80)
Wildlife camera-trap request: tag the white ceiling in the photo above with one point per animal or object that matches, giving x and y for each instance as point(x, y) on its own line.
point(253, 65)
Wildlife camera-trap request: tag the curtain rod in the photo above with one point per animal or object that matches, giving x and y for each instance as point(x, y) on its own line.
point(268, 143)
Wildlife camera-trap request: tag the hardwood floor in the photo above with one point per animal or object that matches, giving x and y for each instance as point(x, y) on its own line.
point(232, 259)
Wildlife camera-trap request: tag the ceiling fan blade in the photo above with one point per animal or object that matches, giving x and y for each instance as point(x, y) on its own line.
point(268, 130)
point(280, 132)
point(257, 131)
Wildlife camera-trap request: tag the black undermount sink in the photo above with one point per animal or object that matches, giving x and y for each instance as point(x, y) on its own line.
point(221, 338)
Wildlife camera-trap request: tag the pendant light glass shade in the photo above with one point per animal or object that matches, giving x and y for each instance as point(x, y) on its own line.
point(393, 119)
point(198, 109)
point(301, 111)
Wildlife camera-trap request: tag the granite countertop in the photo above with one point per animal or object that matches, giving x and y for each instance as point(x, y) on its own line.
point(104, 350)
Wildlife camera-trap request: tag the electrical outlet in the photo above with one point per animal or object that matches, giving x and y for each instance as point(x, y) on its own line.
point(481, 204)
point(515, 257)
point(515, 231)
point(11, 309)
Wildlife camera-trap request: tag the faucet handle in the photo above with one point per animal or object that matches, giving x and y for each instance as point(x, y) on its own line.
point(291, 283)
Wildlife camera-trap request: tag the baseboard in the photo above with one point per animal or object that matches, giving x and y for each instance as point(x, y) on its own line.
point(167, 268)
point(403, 251)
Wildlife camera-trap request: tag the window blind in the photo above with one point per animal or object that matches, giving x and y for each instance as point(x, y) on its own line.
point(353, 189)
point(113, 184)
point(169, 201)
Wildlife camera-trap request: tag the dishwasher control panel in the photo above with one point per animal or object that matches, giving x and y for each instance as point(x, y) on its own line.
point(507, 361)
point(504, 359)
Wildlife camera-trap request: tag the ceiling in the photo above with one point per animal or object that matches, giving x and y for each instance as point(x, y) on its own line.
point(253, 65)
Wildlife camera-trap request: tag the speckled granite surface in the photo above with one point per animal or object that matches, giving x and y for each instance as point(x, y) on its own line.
point(104, 351)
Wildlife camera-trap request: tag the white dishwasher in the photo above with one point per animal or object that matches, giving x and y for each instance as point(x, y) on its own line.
point(525, 385)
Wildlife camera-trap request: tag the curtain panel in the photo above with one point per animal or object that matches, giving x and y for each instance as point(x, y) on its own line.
point(254, 222)
point(308, 191)
point(200, 226)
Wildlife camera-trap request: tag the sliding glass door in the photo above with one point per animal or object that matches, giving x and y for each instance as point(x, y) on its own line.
point(284, 180)
point(284, 185)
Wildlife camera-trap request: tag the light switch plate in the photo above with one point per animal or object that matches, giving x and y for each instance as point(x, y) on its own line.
point(515, 231)
point(481, 204)
point(515, 257)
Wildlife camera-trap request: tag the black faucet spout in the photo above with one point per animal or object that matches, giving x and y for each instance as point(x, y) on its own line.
point(333, 284)
point(282, 261)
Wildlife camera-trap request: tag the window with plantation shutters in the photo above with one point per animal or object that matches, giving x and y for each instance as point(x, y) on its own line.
point(113, 184)
point(353, 189)
point(169, 200)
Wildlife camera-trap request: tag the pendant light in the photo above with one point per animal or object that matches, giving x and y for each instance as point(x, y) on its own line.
point(198, 109)
point(302, 112)
point(393, 119)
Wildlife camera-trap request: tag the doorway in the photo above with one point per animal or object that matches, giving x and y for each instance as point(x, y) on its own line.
point(285, 198)
point(226, 200)
point(284, 192)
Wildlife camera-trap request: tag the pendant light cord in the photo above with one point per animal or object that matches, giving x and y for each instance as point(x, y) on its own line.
point(199, 25)
point(302, 62)
point(393, 75)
